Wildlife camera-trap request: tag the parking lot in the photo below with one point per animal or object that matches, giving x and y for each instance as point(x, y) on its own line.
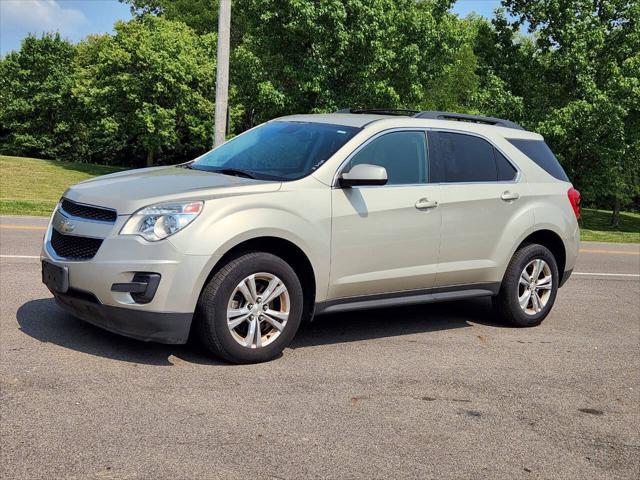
point(431, 391)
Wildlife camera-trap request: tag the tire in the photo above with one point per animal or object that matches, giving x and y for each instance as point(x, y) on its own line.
point(224, 295)
point(514, 289)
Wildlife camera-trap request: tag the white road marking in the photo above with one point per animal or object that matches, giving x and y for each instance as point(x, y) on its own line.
point(20, 256)
point(594, 274)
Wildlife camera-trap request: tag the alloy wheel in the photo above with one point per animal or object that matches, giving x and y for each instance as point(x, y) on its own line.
point(534, 288)
point(258, 310)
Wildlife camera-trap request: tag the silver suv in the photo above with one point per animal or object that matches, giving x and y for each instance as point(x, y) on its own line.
point(308, 214)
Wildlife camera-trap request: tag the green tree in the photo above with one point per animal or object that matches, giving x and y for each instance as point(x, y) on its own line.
point(305, 56)
point(35, 106)
point(147, 90)
point(506, 67)
point(200, 15)
point(586, 97)
point(145, 94)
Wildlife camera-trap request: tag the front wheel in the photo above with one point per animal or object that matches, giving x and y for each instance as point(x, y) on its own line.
point(529, 287)
point(251, 309)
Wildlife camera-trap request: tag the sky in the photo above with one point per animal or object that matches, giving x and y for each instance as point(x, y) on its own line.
point(75, 19)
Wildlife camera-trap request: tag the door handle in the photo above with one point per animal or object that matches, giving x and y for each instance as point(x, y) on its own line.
point(507, 196)
point(425, 204)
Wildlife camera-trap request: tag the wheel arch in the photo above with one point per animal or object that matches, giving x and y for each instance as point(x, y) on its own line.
point(552, 241)
point(285, 249)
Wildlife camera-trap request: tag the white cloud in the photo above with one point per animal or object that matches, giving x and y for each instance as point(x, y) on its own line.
point(37, 16)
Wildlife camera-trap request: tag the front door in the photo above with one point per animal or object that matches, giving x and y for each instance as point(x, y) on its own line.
point(386, 238)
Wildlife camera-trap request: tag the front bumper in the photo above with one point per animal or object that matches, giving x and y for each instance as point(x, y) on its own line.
point(120, 258)
point(139, 324)
point(95, 294)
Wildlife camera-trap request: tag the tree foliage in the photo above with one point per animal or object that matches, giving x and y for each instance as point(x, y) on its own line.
point(200, 15)
point(35, 107)
point(568, 69)
point(147, 90)
point(586, 98)
point(321, 56)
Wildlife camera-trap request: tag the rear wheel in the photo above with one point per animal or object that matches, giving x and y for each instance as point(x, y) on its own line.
point(529, 287)
point(251, 309)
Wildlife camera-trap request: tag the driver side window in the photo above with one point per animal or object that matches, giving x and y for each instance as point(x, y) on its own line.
point(402, 154)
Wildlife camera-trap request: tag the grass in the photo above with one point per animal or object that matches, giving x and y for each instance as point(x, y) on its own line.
point(29, 186)
point(595, 226)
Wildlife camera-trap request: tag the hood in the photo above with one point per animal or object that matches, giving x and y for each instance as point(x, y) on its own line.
point(134, 189)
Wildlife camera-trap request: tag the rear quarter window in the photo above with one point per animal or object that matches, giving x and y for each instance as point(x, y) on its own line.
point(541, 154)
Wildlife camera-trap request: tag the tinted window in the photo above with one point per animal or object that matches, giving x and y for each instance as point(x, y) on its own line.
point(403, 154)
point(506, 171)
point(278, 150)
point(540, 153)
point(464, 158)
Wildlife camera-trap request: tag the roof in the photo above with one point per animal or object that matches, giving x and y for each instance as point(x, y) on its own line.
point(359, 120)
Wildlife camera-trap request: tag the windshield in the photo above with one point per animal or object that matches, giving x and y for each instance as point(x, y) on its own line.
point(277, 150)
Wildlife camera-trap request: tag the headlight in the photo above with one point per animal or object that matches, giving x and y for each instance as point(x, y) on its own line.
point(156, 222)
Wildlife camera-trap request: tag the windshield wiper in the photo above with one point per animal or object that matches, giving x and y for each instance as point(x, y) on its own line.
point(235, 172)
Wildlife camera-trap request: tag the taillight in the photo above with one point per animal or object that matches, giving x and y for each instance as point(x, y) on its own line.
point(574, 198)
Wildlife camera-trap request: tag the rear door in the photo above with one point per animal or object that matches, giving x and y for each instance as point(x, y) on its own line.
point(482, 195)
point(386, 238)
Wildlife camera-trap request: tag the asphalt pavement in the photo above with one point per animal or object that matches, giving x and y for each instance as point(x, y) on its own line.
point(430, 391)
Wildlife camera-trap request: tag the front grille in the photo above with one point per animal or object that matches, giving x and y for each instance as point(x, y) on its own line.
point(74, 247)
point(88, 212)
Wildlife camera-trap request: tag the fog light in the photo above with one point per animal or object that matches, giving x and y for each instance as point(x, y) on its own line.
point(142, 288)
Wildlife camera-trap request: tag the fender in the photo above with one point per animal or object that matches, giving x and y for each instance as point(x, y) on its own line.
point(228, 224)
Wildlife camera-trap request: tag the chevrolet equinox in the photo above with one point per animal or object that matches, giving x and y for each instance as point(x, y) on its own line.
point(309, 214)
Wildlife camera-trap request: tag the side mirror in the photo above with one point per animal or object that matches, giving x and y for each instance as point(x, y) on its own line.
point(363, 174)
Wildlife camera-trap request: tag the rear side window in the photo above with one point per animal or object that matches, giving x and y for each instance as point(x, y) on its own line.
point(465, 158)
point(541, 154)
point(457, 157)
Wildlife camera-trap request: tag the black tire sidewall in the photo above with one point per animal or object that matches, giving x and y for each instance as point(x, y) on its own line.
point(217, 317)
point(511, 289)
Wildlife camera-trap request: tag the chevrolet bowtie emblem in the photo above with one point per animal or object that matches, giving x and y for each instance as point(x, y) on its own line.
point(66, 226)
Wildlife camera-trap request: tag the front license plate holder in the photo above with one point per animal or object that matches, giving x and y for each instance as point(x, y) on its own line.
point(55, 277)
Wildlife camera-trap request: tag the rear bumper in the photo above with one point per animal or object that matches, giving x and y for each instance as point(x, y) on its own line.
point(142, 325)
point(571, 247)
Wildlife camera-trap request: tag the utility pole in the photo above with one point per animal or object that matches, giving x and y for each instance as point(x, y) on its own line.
point(222, 72)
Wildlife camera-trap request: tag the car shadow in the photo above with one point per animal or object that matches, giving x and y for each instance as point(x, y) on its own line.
point(43, 320)
point(395, 321)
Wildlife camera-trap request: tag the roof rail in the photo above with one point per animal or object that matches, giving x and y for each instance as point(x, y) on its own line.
point(463, 117)
point(435, 115)
point(380, 111)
